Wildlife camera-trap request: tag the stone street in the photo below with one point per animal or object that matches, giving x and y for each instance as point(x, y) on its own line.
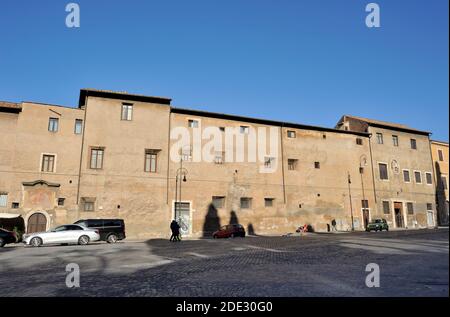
point(412, 263)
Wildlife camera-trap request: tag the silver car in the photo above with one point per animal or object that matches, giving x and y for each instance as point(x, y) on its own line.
point(62, 235)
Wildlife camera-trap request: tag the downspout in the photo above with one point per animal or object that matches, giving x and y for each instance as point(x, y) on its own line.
point(373, 172)
point(436, 197)
point(282, 164)
point(168, 156)
point(82, 148)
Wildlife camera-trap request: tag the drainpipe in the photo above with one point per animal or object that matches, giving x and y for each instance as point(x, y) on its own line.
point(82, 147)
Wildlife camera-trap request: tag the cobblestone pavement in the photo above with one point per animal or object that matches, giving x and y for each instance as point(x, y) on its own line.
point(412, 263)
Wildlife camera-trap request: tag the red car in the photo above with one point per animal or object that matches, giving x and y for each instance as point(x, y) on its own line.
point(229, 231)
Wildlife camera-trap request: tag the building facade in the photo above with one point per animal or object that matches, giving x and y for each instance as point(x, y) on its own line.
point(119, 155)
point(404, 185)
point(439, 152)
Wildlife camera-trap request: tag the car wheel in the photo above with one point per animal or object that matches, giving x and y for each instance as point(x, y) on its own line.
point(83, 240)
point(233, 235)
point(36, 242)
point(387, 229)
point(112, 238)
point(215, 236)
point(2, 242)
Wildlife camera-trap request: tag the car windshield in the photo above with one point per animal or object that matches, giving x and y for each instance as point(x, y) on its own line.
point(378, 220)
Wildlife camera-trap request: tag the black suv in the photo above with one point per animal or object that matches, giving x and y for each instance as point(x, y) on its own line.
point(110, 230)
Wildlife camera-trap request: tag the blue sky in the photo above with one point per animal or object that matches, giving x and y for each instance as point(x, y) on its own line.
point(307, 61)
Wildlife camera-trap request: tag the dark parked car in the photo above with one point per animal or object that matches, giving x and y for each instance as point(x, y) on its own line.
point(111, 230)
point(7, 237)
point(377, 225)
point(229, 231)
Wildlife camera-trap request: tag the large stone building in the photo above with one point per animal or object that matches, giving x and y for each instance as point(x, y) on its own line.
point(439, 152)
point(120, 155)
point(404, 186)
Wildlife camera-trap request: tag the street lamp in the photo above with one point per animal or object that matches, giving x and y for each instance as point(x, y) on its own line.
point(181, 175)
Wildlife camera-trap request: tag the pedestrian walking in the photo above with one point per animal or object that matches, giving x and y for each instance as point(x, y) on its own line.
point(175, 228)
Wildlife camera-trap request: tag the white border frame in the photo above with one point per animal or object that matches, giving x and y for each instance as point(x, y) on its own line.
point(191, 209)
point(426, 182)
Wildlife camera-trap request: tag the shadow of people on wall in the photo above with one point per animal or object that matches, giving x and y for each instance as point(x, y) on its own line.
point(251, 229)
point(212, 221)
point(233, 218)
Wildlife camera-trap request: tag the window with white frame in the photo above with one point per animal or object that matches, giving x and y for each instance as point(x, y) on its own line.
point(269, 162)
point(127, 112)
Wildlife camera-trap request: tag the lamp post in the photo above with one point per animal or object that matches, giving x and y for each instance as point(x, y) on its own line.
point(180, 177)
point(350, 197)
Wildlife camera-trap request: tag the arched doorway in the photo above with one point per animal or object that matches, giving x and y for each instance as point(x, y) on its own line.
point(37, 222)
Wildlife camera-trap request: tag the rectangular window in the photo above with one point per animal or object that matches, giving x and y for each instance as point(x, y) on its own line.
point(316, 164)
point(246, 203)
point(151, 159)
point(365, 204)
point(192, 123)
point(61, 201)
point(292, 164)
point(429, 206)
point(219, 157)
point(441, 155)
point(413, 144)
point(410, 208)
point(291, 134)
point(429, 178)
point(53, 124)
point(186, 153)
point(359, 141)
point(383, 171)
point(380, 138)
point(88, 206)
point(444, 182)
point(3, 199)
point(406, 177)
point(244, 129)
point(268, 202)
point(386, 207)
point(48, 163)
point(96, 158)
point(395, 140)
point(418, 177)
point(78, 126)
point(127, 112)
point(15, 205)
point(218, 201)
